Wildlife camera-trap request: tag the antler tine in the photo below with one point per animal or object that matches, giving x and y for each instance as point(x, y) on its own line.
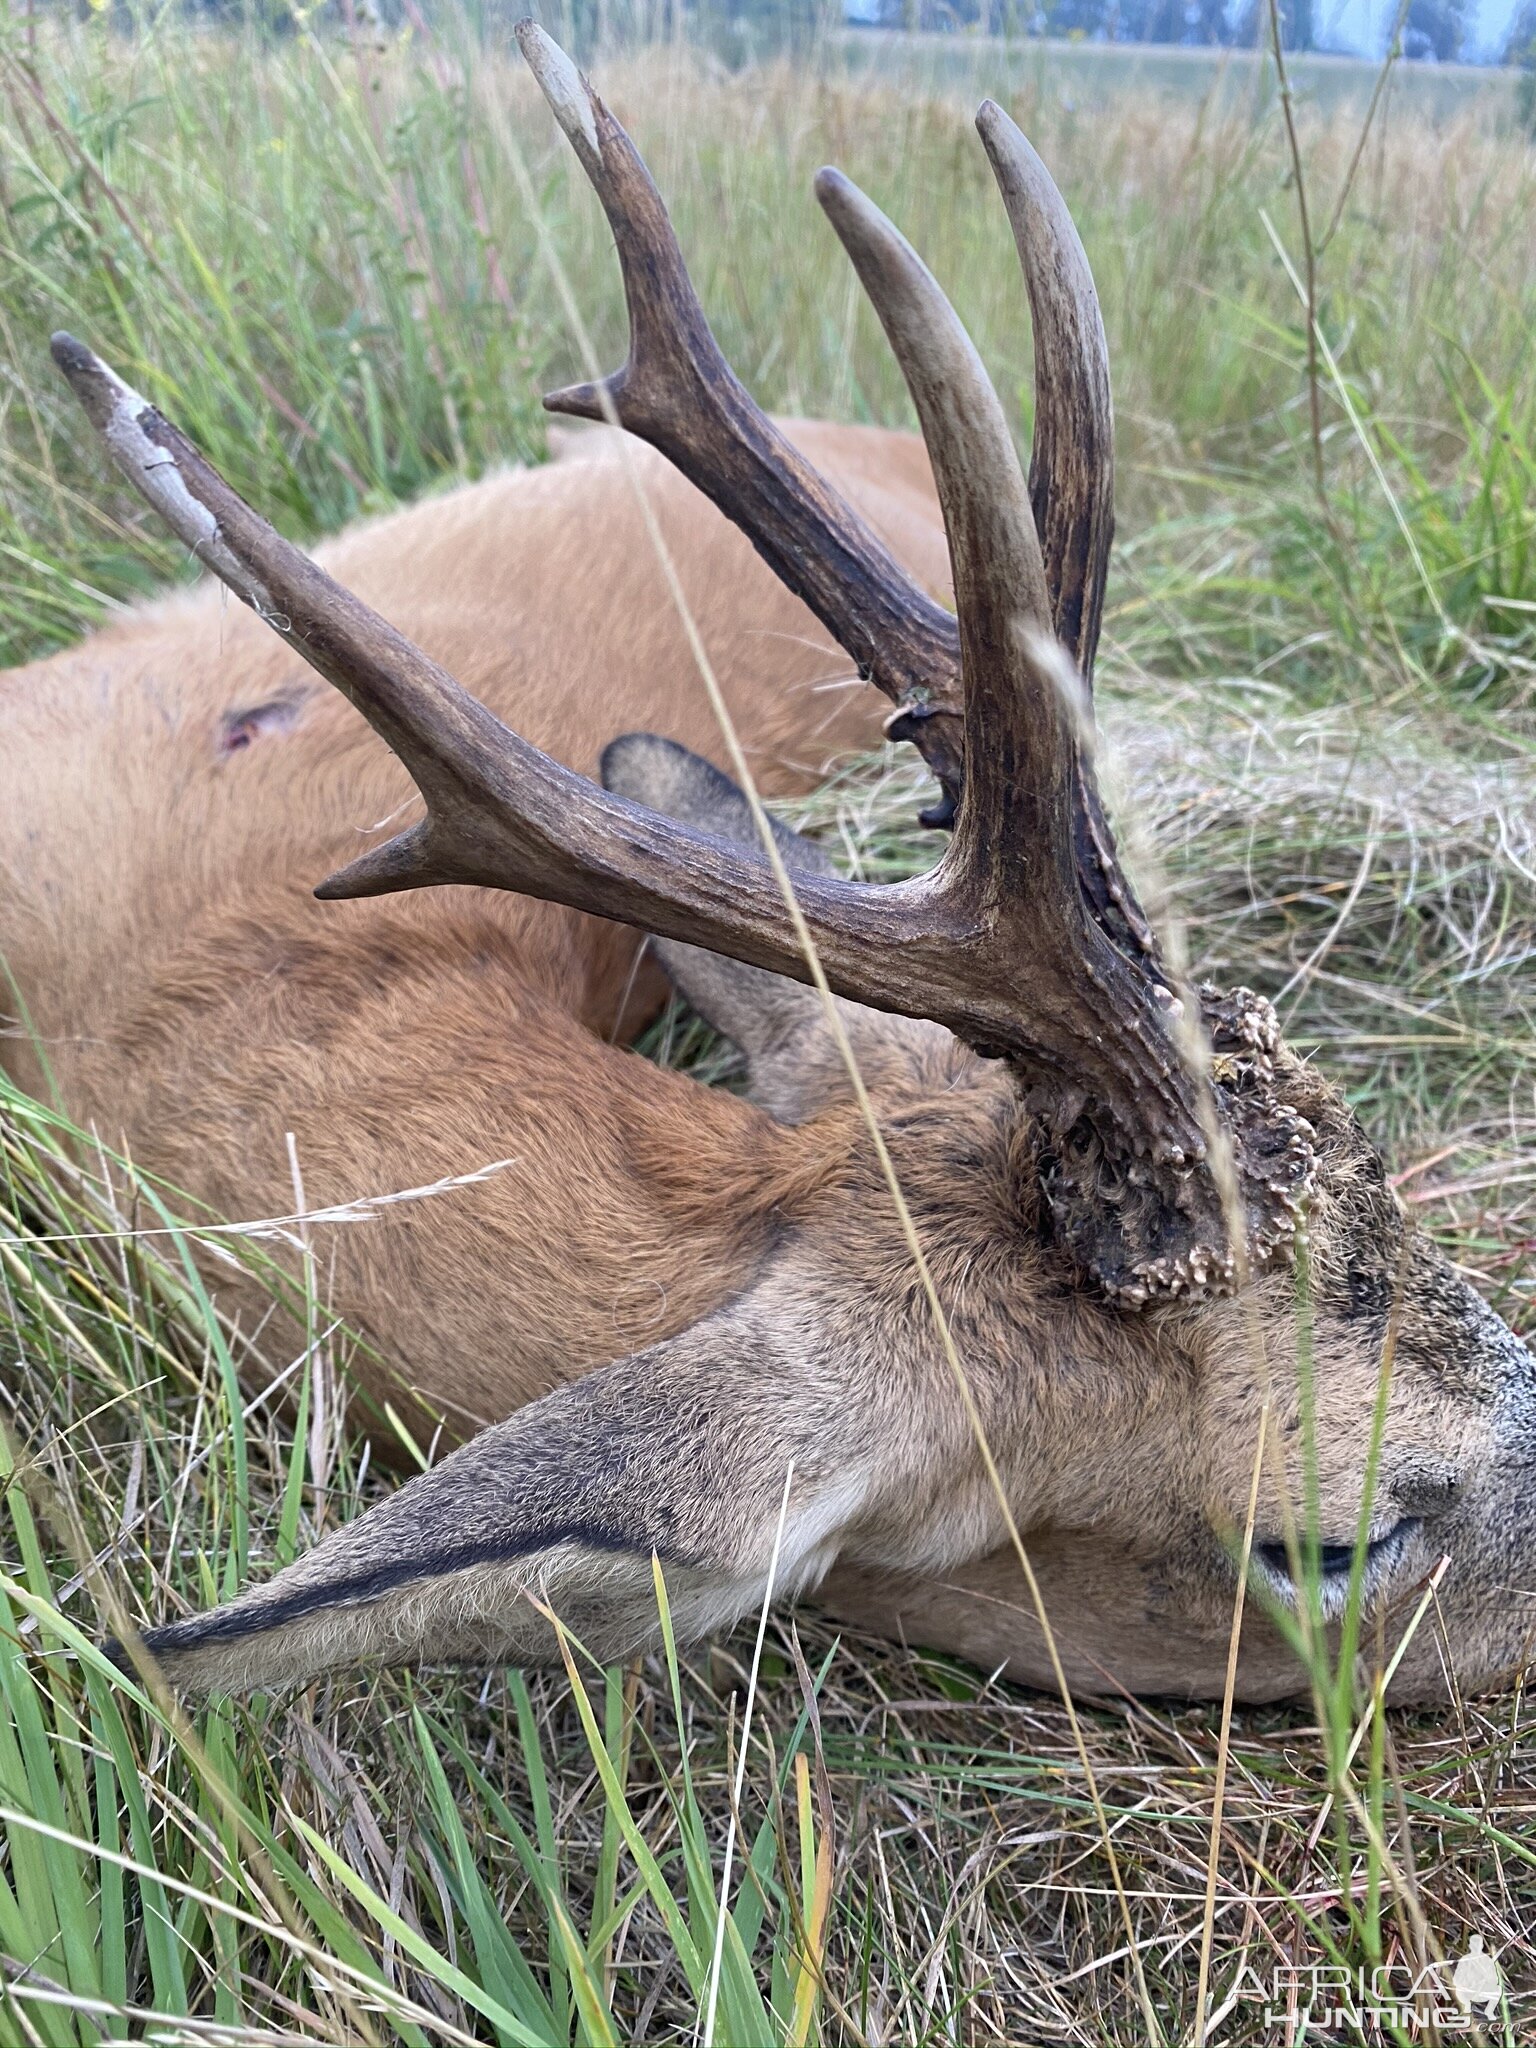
point(1072, 461)
point(1019, 802)
point(678, 392)
point(403, 695)
point(1071, 469)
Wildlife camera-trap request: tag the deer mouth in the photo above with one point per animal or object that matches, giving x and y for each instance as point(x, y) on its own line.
point(1334, 1565)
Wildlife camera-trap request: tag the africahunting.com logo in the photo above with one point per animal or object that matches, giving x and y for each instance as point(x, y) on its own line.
point(1303, 2000)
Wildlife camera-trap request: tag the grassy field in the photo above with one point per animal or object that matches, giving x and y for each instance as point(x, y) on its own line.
point(1317, 682)
point(1100, 74)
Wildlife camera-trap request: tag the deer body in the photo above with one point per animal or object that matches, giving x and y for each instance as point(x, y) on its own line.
point(174, 788)
point(693, 1328)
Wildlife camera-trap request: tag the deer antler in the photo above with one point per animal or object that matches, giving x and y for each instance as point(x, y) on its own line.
point(1071, 466)
point(679, 393)
point(1007, 941)
point(1072, 462)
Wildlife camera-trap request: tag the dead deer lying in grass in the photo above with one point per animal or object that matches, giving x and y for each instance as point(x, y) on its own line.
point(719, 1333)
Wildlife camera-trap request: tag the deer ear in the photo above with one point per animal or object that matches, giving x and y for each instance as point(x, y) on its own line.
point(672, 779)
point(794, 1068)
point(769, 1017)
point(730, 1453)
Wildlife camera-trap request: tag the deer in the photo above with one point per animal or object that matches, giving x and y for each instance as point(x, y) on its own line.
point(1030, 1304)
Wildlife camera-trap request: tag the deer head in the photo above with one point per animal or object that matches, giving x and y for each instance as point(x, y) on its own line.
point(1158, 1239)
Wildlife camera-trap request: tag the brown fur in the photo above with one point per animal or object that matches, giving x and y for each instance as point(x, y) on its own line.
point(669, 1300)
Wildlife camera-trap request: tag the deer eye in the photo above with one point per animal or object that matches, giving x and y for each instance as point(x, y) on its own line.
point(1335, 1561)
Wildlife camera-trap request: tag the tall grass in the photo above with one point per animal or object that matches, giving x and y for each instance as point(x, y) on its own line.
point(312, 253)
point(317, 257)
point(237, 1875)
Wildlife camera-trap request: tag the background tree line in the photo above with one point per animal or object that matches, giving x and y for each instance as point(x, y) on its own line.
point(1434, 29)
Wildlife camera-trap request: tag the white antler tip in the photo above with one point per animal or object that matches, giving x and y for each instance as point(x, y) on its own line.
point(72, 355)
point(101, 392)
point(570, 100)
point(145, 451)
point(1000, 135)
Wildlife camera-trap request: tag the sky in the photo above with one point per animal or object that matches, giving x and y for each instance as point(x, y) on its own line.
point(1362, 25)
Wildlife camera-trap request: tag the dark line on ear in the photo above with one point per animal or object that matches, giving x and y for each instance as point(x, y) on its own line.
point(254, 1616)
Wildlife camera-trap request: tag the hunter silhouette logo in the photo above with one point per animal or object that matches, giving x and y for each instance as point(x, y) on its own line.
point(1477, 1979)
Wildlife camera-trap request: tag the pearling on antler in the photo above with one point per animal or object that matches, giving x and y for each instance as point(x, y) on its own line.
point(1026, 940)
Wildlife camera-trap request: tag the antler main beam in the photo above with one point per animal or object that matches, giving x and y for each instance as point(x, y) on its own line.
point(1071, 469)
point(1017, 811)
point(1072, 459)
